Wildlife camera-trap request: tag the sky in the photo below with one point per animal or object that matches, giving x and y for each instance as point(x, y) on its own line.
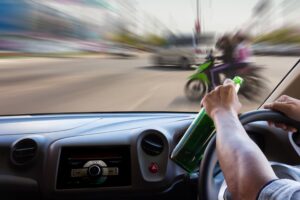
point(217, 15)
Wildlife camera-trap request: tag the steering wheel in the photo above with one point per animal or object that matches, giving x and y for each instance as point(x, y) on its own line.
point(208, 189)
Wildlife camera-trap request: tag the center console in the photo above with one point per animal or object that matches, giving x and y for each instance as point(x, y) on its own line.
point(94, 167)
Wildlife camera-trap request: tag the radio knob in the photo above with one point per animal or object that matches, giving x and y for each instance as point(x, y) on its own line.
point(94, 170)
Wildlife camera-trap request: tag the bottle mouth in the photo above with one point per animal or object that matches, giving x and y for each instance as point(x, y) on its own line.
point(238, 80)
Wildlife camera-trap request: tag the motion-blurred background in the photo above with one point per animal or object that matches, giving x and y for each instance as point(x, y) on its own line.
point(131, 55)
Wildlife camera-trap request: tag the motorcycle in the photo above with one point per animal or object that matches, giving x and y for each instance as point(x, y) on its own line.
point(201, 82)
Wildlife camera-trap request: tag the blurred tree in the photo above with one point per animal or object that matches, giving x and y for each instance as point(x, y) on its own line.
point(125, 38)
point(155, 40)
point(282, 35)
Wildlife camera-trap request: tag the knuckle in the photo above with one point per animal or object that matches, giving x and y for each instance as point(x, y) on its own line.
point(217, 88)
point(208, 95)
point(211, 93)
point(282, 98)
point(206, 98)
point(226, 89)
point(229, 86)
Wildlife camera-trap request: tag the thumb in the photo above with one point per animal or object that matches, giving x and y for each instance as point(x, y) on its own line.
point(279, 106)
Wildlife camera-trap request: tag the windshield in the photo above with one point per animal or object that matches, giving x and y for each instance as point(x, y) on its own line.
point(138, 55)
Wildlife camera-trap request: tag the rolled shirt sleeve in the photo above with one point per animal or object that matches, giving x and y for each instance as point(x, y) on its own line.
point(281, 189)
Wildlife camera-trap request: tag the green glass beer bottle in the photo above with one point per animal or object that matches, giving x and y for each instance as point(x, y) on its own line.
point(190, 149)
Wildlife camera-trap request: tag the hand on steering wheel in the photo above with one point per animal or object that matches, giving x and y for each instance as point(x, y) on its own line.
point(208, 189)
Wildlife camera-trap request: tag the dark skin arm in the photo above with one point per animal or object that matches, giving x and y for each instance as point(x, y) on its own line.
point(245, 167)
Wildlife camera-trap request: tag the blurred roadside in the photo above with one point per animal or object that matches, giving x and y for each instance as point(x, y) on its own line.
point(31, 28)
point(52, 28)
point(22, 45)
point(284, 41)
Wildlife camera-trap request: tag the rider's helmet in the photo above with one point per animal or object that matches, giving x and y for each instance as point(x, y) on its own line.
point(224, 42)
point(225, 45)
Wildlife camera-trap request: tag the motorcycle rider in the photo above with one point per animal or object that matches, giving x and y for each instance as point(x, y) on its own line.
point(226, 46)
point(236, 54)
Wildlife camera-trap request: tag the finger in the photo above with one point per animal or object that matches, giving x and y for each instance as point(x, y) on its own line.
point(268, 106)
point(281, 125)
point(285, 127)
point(270, 123)
point(227, 91)
point(282, 98)
point(218, 88)
point(216, 92)
point(203, 100)
point(291, 129)
point(279, 106)
point(206, 97)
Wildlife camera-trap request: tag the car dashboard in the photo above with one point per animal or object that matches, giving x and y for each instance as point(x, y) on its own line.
point(108, 155)
point(89, 156)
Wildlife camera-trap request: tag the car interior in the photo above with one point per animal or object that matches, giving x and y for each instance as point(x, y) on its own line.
point(127, 155)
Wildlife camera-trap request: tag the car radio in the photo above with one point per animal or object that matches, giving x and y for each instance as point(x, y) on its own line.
point(89, 167)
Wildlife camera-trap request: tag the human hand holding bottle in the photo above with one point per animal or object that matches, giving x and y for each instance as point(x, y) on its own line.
point(223, 99)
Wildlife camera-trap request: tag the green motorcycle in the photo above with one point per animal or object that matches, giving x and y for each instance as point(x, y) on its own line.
point(202, 81)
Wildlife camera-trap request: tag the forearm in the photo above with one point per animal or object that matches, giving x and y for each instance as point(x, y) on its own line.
point(245, 167)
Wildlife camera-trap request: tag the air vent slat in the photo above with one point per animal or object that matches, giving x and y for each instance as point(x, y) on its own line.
point(24, 151)
point(155, 145)
point(152, 144)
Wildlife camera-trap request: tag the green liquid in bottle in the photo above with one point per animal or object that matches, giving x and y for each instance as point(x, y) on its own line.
point(190, 149)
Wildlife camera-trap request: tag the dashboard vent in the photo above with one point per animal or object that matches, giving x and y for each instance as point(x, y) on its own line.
point(152, 144)
point(24, 151)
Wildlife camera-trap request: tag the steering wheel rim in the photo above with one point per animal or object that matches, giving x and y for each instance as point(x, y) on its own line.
point(207, 186)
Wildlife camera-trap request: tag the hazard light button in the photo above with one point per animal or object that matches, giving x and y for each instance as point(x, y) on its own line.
point(153, 168)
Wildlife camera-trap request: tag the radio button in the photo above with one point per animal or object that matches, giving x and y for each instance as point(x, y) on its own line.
point(79, 172)
point(110, 171)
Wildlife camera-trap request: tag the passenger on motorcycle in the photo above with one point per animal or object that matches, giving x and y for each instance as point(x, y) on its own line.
point(242, 52)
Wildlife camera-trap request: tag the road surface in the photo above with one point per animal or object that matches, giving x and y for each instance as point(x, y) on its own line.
point(100, 84)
